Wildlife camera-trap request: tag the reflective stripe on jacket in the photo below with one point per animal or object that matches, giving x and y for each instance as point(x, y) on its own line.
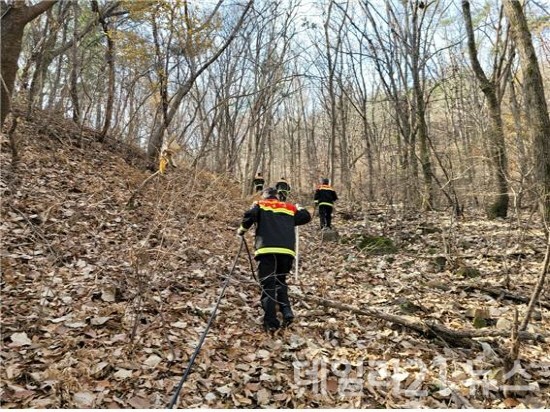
point(275, 221)
point(325, 196)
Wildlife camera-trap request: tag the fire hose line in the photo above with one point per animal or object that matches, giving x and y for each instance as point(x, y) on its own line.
point(209, 323)
point(212, 316)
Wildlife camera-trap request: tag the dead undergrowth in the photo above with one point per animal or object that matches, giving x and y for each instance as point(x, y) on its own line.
point(102, 305)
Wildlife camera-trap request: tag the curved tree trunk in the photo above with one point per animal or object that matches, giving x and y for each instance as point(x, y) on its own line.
point(75, 68)
point(14, 19)
point(535, 102)
point(420, 112)
point(110, 60)
point(157, 139)
point(496, 132)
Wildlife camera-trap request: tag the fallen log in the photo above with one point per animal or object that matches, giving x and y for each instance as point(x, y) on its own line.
point(495, 292)
point(501, 294)
point(496, 256)
point(460, 338)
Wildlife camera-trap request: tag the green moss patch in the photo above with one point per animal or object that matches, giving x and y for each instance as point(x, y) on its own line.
point(376, 245)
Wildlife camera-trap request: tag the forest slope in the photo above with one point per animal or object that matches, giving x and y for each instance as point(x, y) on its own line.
point(102, 305)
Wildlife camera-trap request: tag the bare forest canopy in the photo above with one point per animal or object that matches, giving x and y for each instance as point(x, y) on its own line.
point(132, 131)
point(429, 104)
point(103, 302)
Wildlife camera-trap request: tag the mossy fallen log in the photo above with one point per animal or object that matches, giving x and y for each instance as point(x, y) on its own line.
point(431, 330)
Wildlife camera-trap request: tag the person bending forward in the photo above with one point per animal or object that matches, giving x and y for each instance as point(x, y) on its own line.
point(275, 251)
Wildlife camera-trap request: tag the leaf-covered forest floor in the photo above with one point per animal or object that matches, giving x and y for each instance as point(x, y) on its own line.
point(102, 305)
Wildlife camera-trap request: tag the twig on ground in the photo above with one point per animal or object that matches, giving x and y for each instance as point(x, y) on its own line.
point(462, 338)
point(132, 199)
point(538, 287)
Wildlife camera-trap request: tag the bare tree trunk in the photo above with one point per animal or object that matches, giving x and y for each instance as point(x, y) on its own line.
point(110, 60)
point(331, 155)
point(54, 86)
point(155, 144)
point(496, 132)
point(345, 170)
point(40, 57)
point(332, 61)
point(520, 145)
point(420, 114)
point(427, 192)
point(74, 69)
point(14, 19)
point(391, 59)
point(162, 73)
point(367, 135)
point(535, 102)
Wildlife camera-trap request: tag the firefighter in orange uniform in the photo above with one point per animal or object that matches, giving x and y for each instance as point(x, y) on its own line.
point(325, 196)
point(275, 251)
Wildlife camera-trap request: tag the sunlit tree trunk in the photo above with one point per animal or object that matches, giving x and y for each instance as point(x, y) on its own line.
point(538, 121)
point(75, 65)
point(157, 139)
point(331, 155)
point(496, 131)
point(110, 60)
point(14, 19)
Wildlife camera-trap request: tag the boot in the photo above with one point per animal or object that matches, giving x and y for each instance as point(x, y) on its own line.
point(270, 328)
point(271, 323)
point(288, 316)
point(284, 304)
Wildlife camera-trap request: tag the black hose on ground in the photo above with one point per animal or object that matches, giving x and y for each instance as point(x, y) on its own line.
point(203, 336)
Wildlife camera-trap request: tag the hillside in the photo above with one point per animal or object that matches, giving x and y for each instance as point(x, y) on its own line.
point(103, 304)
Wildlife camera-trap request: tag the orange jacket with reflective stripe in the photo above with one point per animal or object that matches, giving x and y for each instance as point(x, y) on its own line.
point(275, 221)
point(325, 195)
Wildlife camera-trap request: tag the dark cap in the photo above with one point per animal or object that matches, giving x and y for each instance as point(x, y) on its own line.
point(324, 180)
point(269, 192)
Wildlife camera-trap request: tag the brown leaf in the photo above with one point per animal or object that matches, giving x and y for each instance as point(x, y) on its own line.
point(42, 403)
point(511, 402)
point(152, 361)
point(332, 385)
point(138, 402)
point(123, 374)
point(263, 396)
point(20, 339)
point(84, 400)
point(24, 394)
point(99, 320)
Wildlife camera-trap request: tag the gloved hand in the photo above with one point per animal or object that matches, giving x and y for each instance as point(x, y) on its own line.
point(299, 206)
point(241, 231)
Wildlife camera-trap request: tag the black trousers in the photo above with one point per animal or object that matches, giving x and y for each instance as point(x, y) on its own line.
point(272, 270)
point(325, 215)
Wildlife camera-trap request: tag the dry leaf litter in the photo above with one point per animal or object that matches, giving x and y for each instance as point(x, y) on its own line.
point(103, 305)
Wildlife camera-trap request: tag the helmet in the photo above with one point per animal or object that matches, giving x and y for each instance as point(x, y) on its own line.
point(324, 180)
point(269, 192)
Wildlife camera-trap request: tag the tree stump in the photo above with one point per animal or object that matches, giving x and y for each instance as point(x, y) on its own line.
point(329, 235)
